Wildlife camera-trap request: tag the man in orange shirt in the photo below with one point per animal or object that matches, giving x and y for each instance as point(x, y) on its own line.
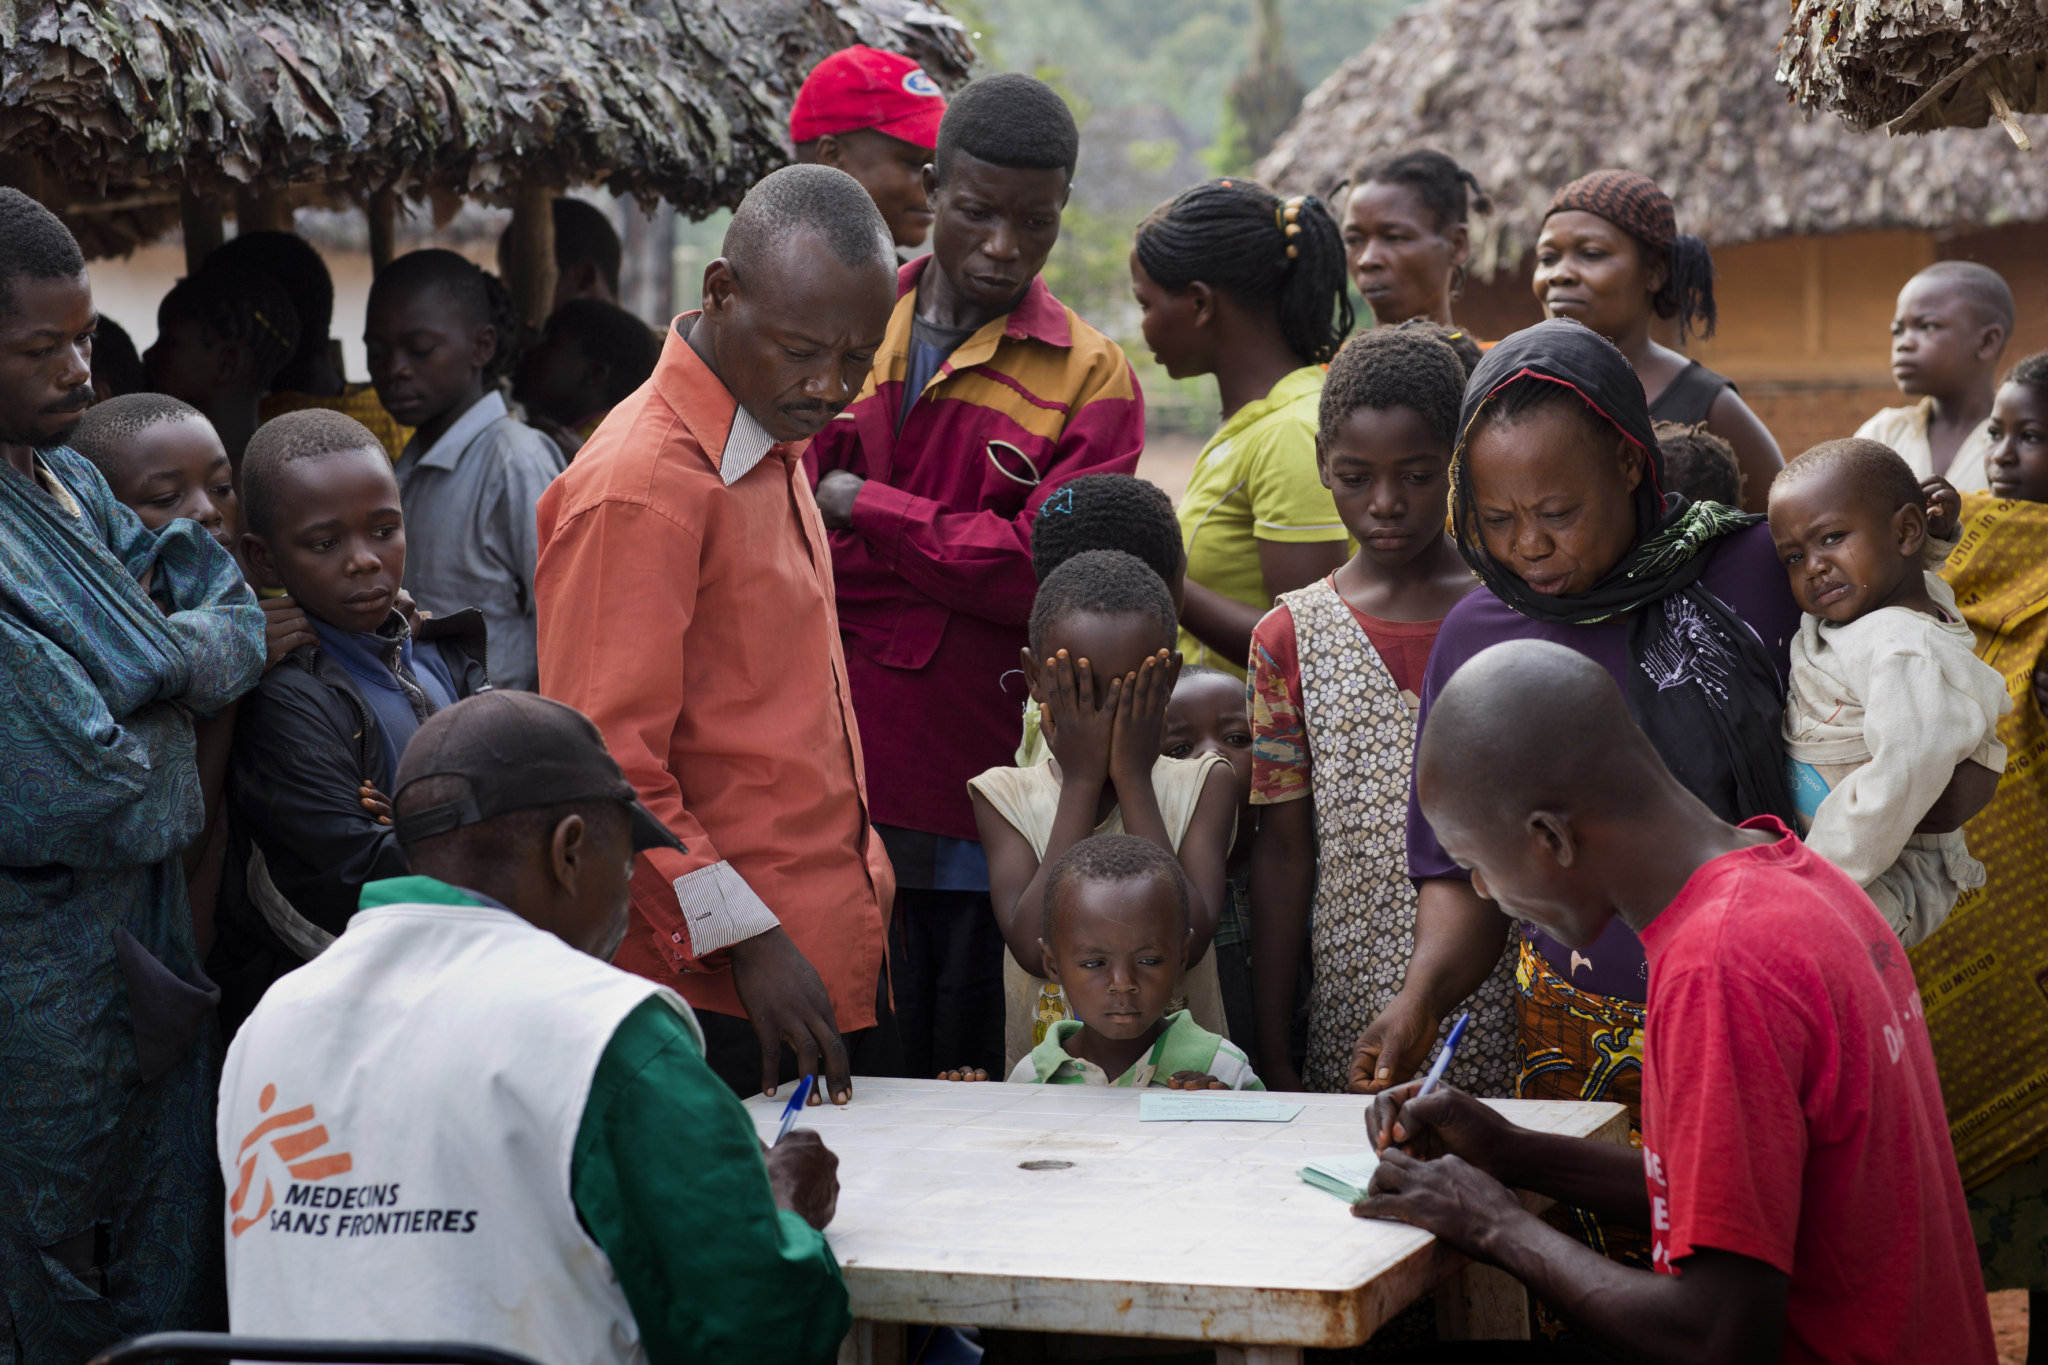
point(685, 604)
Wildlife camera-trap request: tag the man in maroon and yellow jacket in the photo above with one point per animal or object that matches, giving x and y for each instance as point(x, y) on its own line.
point(986, 396)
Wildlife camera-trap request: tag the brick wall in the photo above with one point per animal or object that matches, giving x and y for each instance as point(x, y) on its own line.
point(1801, 416)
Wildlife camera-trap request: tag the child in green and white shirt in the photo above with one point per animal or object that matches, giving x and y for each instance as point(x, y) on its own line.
point(1114, 938)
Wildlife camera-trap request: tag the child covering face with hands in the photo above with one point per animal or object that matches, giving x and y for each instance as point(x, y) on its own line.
point(1102, 669)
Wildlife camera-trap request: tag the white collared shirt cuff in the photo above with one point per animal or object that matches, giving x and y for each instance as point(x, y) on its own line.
point(721, 909)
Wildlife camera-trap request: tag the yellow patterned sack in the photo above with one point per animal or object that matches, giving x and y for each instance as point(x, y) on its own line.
point(355, 400)
point(1984, 974)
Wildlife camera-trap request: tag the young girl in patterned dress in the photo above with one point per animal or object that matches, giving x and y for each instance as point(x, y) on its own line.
point(1336, 672)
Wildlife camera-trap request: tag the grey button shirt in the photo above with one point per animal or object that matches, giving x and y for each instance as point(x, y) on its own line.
point(469, 529)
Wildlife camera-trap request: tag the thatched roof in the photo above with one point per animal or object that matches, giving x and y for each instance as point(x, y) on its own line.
point(1916, 65)
point(123, 103)
point(1529, 94)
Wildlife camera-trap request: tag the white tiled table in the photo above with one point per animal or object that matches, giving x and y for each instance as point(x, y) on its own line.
point(1188, 1231)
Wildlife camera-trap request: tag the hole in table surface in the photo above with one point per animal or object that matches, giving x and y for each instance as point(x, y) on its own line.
point(1044, 1165)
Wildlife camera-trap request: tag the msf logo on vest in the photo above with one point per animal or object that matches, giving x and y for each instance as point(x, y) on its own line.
point(293, 1139)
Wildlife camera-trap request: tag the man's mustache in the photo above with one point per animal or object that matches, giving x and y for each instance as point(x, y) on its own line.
point(77, 400)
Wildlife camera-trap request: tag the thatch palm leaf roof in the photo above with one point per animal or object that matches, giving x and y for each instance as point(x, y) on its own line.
point(1912, 65)
point(129, 101)
point(1529, 94)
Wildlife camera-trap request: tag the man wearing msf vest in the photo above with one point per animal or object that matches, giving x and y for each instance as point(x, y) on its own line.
point(460, 1122)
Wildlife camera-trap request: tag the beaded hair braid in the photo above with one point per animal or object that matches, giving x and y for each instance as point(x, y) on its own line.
point(1239, 238)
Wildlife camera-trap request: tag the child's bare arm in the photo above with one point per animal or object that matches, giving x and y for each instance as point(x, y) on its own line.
point(1944, 508)
point(1968, 792)
point(1013, 868)
point(1283, 887)
point(212, 741)
point(1194, 1080)
point(285, 628)
point(1205, 855)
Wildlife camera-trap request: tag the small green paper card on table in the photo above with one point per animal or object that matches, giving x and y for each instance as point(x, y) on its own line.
point(1344, 1176)
point(1157, 1107)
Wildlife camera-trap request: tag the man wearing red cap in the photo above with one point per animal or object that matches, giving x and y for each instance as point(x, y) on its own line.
point(874, 115)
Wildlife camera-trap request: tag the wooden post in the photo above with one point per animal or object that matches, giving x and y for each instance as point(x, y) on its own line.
point(201, 220)
point(263, 210)
point(383, 214)
point(530, 259)
point(1481, 1303)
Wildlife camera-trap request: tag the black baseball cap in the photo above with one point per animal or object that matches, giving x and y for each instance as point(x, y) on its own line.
point(517, 751)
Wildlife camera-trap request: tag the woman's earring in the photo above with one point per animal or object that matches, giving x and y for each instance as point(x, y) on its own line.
point(1457, 281)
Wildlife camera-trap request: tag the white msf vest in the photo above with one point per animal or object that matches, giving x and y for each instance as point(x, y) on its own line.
point(397, 1121)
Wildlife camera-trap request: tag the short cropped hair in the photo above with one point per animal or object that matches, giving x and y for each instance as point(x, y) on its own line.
point(293, 262)
point(583, 233)
point(628, 347)
point(1699, 464)
point(280, 443)
point(34, 245)
point(1116, 859)
point(104, 433)
point(821, 200)
point(1877, 474)
point(1457, 338)
point(2031, 372)
point(1395, 367)
point(1009, 120)
point(1981, 285)
point(247, 306)
point(1102, 583)
point(1107, 512)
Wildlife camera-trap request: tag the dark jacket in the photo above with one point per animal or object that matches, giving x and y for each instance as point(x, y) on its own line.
point(305, 739)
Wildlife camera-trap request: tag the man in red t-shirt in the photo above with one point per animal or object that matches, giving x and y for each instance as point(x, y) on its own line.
point(1796, 1174)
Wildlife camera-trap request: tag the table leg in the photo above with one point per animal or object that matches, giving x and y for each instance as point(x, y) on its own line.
point(1480, 1303)
point(874, 1343)
point(1257, 1355)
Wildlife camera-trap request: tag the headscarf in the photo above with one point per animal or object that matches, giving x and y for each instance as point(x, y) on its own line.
point(1638, 206)
point(1699, 680)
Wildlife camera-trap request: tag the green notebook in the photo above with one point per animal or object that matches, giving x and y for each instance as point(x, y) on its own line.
point(1344, 1176)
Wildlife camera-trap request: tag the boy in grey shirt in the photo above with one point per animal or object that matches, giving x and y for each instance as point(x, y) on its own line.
point(437, 332)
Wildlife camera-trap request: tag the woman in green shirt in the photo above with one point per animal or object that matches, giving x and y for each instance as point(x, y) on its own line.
point(1236, 282)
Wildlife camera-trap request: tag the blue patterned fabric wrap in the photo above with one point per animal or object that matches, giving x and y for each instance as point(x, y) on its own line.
point(99, 795)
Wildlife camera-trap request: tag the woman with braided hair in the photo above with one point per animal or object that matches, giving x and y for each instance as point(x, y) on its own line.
point(1407, 235)
point(1236, 282)
point(1611, 256)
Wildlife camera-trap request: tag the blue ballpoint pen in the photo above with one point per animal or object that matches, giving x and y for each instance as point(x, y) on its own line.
point(794, 1107)
point(1444, 1054)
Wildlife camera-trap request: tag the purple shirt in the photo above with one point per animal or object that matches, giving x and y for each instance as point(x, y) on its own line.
point(1744, 572)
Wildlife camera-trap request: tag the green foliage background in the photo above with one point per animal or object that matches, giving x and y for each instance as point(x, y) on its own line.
point(1146, 80)
point(1180, 53)
point(1109, 57)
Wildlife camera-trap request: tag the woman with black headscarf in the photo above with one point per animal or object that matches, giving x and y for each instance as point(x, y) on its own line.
point(1557, 503)
point(1611, 256)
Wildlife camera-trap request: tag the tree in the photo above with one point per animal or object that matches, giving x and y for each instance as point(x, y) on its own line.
point(1267, 96)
